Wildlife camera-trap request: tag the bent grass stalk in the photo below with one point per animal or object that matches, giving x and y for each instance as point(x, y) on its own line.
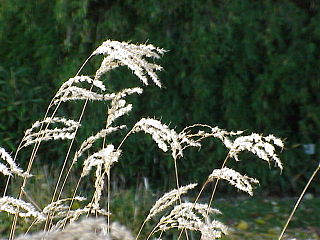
point(298, 201)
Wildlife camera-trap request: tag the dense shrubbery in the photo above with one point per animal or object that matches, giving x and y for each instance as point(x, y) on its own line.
point(236, 64)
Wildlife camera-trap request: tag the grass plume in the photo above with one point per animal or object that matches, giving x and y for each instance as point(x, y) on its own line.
point(60, 216)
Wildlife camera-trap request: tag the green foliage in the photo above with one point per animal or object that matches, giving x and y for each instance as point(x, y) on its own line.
point(18, 98)
point(235, 64)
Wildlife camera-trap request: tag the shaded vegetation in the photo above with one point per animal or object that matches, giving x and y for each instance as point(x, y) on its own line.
point(235, 64)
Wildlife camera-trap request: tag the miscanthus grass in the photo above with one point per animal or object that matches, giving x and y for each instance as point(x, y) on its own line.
point(71, 217)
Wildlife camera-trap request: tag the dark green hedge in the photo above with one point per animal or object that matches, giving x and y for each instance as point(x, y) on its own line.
point(241, 64)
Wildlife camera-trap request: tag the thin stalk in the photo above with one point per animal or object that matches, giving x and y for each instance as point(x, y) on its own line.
point(108, 204)
point(84, 63)
point(125, 138)
point(216, 184)
point(298, 201)
point(200, 192)
point(178, 187)
point(144, 223)
point(108, 187)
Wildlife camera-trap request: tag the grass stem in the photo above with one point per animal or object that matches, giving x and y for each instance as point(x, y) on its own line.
point(298, 201)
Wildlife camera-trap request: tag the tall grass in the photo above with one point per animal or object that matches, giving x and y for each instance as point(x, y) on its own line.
point(59, 217)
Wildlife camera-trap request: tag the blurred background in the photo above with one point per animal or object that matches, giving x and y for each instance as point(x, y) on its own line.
point(240, 65)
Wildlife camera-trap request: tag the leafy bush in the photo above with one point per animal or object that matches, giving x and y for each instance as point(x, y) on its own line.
point(236, 64)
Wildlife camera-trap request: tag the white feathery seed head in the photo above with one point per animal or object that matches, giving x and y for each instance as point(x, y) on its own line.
point(12, 167)
point(76, 93)
point(59, 207)
point(105, 157)
point(168, 199)
point(68, 91)
point(233, 177)
point(164, 136)
point(87, 144)
point(119, 106)
point(102, 160)
point(79, 79)
point(17, 206)
point(130, 55)
point(67, 131)
point(194, 217)
point(73, 215)
point(259, 146)
point(160, 133)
